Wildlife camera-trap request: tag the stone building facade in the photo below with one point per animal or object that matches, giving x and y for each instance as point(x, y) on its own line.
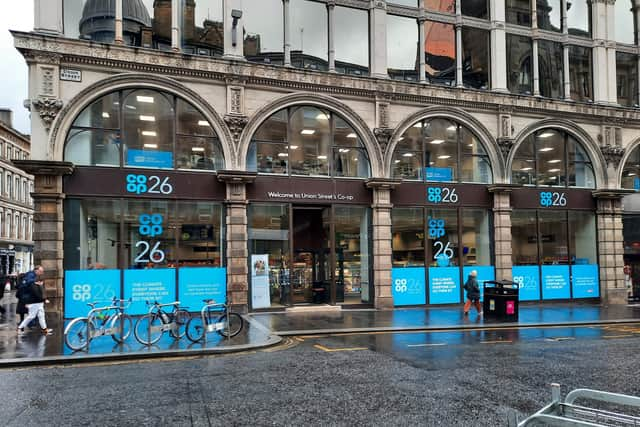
point(502, 109)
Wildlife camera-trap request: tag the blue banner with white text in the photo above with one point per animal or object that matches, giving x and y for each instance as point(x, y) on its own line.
point(584, 281)
point(408, 286)
point(528, 279)
point(555, 282)
point(444, 285)
point(85, 286)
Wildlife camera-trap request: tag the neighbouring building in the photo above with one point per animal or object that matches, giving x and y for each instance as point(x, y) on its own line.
point(343, 152)
point(16, 204)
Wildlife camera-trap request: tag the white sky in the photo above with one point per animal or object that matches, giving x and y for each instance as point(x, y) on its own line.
point(16, 15)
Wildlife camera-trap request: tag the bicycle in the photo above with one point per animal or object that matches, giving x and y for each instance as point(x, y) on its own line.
point(228, 324)
point(150, 327)
point(81, 330)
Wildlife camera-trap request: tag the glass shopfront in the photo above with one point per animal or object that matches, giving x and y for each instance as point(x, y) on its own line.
point(553, 227)
point(441, 228)
point(144, 218)
point(631, 223)
point(309, 216)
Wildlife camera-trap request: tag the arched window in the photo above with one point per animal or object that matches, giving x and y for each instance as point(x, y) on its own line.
point(631, 170)
point(441, 150)
point(308, 141)
point(552, 157)
point(143, 128)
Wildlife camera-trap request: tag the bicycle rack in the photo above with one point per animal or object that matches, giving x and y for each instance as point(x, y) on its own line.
point(562, 413)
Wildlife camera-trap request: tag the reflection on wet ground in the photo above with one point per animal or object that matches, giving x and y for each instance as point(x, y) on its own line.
point(35, 345)
point(434, 317)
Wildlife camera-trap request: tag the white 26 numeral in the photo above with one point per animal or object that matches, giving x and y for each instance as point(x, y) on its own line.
point(442, 249)
point(165, 186)
point(155, 255)
point(449, 195)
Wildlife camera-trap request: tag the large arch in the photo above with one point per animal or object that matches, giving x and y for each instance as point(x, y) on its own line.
point(460, 116)
point(625, 158)
point(315, 100)
point(595, 155)
point(65, 119)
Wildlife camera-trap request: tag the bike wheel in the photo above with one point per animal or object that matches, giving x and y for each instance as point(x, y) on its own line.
point(147, 330)
point(77, 335)
point(233, 328)
point(121, 324)
point(195, 329)
point(181, 318)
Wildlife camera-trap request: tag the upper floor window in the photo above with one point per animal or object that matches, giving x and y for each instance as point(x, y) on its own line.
point(518, 12)
point(143, 128)
point(549, 15)
point(308, 141)
point(441, 150)
point(625, 22)
point(631, 171)
point(552, 157)
point(447, 6)
point(475, 8)
point(579, 17)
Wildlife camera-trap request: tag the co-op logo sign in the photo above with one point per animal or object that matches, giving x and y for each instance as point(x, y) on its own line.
point(406, 286)
point(81, 293)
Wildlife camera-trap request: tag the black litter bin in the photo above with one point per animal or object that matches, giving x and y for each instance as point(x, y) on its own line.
point(500, 300)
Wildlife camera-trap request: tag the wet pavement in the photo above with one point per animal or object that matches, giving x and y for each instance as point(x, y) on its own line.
point(451, 317)
point(33, 347)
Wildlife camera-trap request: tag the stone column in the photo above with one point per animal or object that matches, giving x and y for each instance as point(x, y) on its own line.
point(610, 44)
point(459, 82)
point(48, 231)
point(565, 72)
point(119, 38)
point(422, 69)
point(536, 73)
point(237, 252)
point(600, 59)
point(382, 250)
point(378, 38)
point(231, 51)
point(176, 15)
point(286, 12)
point(331, 7)
point(498, 48)
point(610, 247)
point(502, 229)
point(48, 17)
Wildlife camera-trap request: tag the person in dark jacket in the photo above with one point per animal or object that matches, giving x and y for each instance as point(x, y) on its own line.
point(473, 293)
point(35, 302)
point(22, 293)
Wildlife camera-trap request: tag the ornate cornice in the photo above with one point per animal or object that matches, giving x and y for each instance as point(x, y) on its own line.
point(47, 108)
point(112, 58)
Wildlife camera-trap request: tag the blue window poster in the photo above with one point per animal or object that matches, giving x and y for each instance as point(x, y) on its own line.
point(528, 279)
point(85, 286)
point(555, 282)
point(153, 284)
point(485, 273)
point(444, 285)
point(408, 286)
point(150, 159)
point(439, 174)
point(198, 283)
point(584, 281)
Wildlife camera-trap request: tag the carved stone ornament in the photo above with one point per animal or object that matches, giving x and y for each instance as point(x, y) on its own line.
point(612, 154)
point(236, 124)
point(48, 109)
point(505, 145)
point(383, 135)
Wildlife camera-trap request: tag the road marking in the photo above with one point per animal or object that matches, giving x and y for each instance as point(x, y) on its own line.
point(497, 342)
point(427, 345)
point(299, 339)
point(616, 336)
point(330, 350)
point(557, 339)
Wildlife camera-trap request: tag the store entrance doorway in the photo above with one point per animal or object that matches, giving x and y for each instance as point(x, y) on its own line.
point(312, 281)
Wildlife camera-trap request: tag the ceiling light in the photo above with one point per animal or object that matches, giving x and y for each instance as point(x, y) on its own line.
point(283, 155)
point(407, 155)
point(197, 149)
point(131, 107)
point(396, 161)
point(546, 134)
point(105, 115)
point(545, 149)
point(322, 157)
point(552, 177)
point(308, 131)
point(146, 99)
point(401, 138)
point(469, 145)
point(452, 128)
point(555, 161)
point(293, 147)
point(355, 159)
point(149, 133)
point(147, 118)
point(352, 135)
point(526, 169)
point(344, 150)
point(322, 116)
point(418, 125)
point(203, 123)
point(631, 174)
point(553, 170)
point(431, 163)
point(437, 141)
point(444, 157)
point(151, 146)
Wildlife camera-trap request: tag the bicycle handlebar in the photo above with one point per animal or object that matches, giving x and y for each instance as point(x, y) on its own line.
point(157, 304)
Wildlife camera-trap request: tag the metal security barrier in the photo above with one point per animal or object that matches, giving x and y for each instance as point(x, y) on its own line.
point(563, 413)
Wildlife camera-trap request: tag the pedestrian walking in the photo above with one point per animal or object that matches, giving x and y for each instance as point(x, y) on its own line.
point(35, 301)
point(473, 293)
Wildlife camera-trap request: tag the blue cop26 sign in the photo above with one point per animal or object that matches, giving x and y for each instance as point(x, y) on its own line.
point(408, 286)
point(552, 198)
point(439, 195)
